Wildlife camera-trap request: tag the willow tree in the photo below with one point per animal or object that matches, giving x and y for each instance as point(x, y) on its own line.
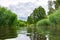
point(8, 21)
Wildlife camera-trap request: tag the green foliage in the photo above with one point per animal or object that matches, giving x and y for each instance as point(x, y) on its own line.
point(43, 26)
point(50, 25)
point(21, 23)
point(57, 4)
point(44, 22)
point(50, 4)
point(7, 24)
point(30, 20)
point(50, 8)
point(55, 18)
point(37, 14)
point(30, 28)
point(7, 17)
point(51, 11)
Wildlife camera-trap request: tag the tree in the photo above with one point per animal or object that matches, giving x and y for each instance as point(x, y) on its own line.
point(37, 14)
point(51, 25)
point(51, 9)
point(21, 23)
point(57, 4)
point(30, 20)
point(8, 21)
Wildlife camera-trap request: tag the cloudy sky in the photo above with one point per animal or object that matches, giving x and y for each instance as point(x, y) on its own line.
point(23, 8)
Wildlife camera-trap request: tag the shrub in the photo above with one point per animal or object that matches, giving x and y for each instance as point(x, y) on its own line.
point(7, 24)
point(55, 18)
point(43, 25)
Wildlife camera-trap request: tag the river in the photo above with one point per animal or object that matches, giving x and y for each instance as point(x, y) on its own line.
point(22, 35)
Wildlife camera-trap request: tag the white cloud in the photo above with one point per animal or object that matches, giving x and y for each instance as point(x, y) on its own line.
point(23, 8)
point(13, 2)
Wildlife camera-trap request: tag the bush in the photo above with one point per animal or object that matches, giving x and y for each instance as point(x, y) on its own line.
point(7, 24)
point(43, 25)
point(44, 22)
point(55, 18)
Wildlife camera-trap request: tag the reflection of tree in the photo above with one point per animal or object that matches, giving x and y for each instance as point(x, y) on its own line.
point(40, 37)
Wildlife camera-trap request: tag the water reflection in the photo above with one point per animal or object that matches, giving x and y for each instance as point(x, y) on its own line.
point(22, 35)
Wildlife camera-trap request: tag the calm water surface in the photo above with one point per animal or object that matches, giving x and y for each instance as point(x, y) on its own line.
point(22, 35)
